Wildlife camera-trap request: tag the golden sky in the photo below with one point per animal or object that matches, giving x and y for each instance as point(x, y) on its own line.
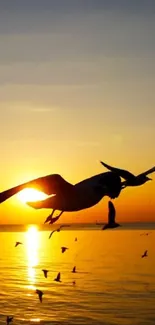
point(77, 83)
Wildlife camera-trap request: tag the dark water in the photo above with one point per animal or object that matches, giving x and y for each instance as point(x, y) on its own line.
point(114, 285)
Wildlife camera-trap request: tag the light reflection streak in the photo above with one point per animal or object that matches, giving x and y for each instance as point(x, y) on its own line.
point(32, 246)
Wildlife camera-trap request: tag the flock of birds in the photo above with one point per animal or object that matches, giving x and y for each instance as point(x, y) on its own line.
point(95, 187)
point(110, 224)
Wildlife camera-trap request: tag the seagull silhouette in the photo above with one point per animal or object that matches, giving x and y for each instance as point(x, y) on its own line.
point(64, 196)
point(145, 254)
point(130, 179)
point(9, 319)
point(57, 279)
point(18, 243)
point(40, 294)
point(74, 269)
point(63, 249)
point(45, 273)
point(111, 217)
point(57, 230)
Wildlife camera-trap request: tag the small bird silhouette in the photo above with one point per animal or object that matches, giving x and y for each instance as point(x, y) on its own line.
point(74, 269)
point(57, 279)
point(56, 230)
point(63, 249)
point(40, 294)
point(45, 273)
point(18, 243)
point(9, 319)
point(111, 217)
point(74, 282)
point(145, 254)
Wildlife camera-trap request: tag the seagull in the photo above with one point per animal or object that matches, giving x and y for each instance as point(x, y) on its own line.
point(57, 279)
point(66, 197)
point(145, 254)
point(45, 273)
point(18, 243)
point(40, 294)
point(74, 269)
point(111, 217)
point(63, 249)
point(58, 230)
point(9, 319)
point(130, 179)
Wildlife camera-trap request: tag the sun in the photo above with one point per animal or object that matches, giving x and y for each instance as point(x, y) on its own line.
point(30, 194)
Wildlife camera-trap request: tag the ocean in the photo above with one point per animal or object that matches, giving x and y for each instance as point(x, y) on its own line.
point(113, 283)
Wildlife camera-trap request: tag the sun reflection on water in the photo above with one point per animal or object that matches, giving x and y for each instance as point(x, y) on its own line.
point(32, 246)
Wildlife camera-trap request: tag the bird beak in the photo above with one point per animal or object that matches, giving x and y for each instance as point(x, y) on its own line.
point(149, 179)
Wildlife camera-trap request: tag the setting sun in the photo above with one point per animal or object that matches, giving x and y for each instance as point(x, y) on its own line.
point(30, 194)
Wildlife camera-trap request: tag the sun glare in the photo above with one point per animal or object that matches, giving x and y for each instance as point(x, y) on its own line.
point(32, 246)
point(30, 194)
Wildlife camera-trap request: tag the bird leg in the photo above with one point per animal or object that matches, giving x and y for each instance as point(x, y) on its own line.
point(50, 216)
point(52, 220)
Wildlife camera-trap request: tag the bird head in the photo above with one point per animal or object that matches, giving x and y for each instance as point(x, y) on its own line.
point(146, 178)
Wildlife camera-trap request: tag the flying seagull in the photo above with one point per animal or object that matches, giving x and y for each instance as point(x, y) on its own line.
point(145, 254)
point(9, 320)
point(64, 196)
point(130, 179)
point(111, 217)
point(45, 273)
point(57, 230)
point(63, 249)
point(57, 279)
point(18, 243)
point(40, 294)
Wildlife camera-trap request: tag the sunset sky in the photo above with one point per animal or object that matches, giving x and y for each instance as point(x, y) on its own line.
point(77, 85)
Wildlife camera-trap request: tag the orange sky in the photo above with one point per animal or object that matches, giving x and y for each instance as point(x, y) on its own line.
point(76, 87)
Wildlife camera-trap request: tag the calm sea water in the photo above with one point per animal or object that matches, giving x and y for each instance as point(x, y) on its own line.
point(114, 285)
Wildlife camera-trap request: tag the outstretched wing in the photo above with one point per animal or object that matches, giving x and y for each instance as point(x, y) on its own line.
point(112, 212)
point(50, 184)
point(121, 172)
point(149, 171)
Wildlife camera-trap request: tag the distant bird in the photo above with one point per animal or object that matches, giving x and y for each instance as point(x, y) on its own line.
point(9, 319)
point(130, 179)
point(45, 273)
point(74, 269)
point(145, 254)
point(63, 249)
point(18, 243)
point(111, 217)
point(75, 238)
point(40, 294)
point(74, 282)
point(58, 230)
point(57, 279)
